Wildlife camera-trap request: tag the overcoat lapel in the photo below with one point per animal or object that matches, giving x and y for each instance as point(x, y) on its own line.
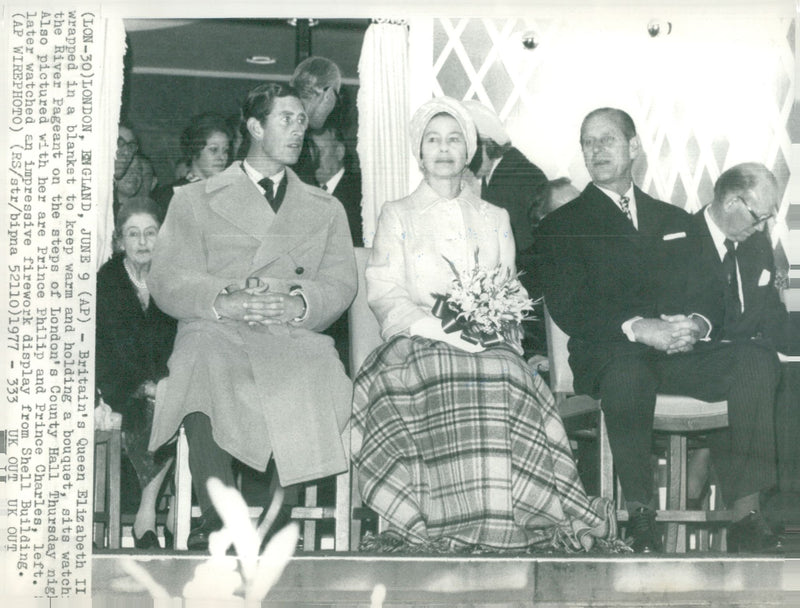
point(297, 220)
point(237, 200)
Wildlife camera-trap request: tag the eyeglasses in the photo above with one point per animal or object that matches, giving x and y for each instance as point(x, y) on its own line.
point(128, 145)
point(149, 234)
point(757, 219)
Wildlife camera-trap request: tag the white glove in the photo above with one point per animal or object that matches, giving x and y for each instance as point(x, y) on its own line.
point(431, 327)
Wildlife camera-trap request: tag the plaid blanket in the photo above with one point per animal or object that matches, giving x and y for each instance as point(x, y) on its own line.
point(466, 448)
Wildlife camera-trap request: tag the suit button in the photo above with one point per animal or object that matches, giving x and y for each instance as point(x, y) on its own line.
point(299, 270)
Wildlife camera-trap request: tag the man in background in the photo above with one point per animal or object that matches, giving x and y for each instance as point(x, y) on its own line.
point(509, 180)
point(333, 175)
point(317, 81)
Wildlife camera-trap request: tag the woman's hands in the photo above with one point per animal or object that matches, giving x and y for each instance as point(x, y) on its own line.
point(430, 327)
point(259, 306)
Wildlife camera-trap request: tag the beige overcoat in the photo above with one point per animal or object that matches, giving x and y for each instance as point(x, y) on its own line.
point(279, 389)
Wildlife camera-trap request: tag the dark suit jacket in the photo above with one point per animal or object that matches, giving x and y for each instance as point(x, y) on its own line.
point(764, 315)
point(348, 191)
point(132, 346)
point(598, 271)
point(521, 188)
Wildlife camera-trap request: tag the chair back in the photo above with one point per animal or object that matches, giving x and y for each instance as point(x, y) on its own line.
point(365, 333)
point(558, 354)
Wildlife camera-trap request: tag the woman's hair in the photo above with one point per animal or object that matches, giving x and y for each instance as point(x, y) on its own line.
point(136, 206)
point(201, 127)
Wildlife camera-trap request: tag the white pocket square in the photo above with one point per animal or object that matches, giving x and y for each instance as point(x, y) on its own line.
point(673, 235)
point(764, 278)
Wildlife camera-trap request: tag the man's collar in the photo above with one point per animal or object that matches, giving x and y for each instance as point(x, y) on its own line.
point(614, 196)
point(426, 197)
point(256, 176)
point(489, 175)
point(716, 234)
point(334, 180)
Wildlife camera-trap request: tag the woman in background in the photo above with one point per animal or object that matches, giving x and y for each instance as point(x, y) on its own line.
point(206, 148)
point(457, 446)
point(133, 342)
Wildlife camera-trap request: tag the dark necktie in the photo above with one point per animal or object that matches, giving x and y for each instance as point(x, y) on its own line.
point(732, 280)
point(324, 187)
point(275, 198)
point(625, 204)
point(484, 187)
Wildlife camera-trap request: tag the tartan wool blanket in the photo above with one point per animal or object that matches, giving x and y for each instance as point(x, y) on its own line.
point(467, 449)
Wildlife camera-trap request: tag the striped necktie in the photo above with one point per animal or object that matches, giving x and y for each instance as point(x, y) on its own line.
point(625, 204)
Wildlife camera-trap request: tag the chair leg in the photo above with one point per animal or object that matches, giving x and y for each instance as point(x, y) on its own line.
point(605, 459)
point(344, 512)
point(310, 525)
point(100, 497)
point(676, 491)
point(114, 500)
point(181, 513)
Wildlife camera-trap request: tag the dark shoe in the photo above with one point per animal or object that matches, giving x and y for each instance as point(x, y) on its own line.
point(642, 531)
point(149, 540)
point(198, 538)
point(169, 539)
point(752, 534)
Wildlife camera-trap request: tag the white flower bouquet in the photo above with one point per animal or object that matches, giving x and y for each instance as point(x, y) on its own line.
point(486, 304)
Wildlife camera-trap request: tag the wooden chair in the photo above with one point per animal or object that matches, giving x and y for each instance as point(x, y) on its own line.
point(676, 416)
point(107, 503)
point(365, 336)
point(310, 513)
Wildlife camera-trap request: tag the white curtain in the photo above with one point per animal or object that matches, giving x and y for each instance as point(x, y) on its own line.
point(383, 119)
point(106, 145)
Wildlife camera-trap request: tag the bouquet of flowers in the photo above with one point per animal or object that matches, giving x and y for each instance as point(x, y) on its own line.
point(486, 305)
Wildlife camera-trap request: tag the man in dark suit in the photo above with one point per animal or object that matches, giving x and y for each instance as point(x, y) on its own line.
point(509, 180)
point(614, 268)
point(743, 303)
point(317, 81)
point(334, 176)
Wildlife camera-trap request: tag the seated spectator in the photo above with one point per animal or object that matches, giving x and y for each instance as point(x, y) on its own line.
point(137, 182)
point(735, 269)
point(127, 146)
point(440, 425)
point(253, 282)
point(206, 148)
point(333, 175)
point(134, 339)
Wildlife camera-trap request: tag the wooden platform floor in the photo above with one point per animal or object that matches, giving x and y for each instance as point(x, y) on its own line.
point(337, 579)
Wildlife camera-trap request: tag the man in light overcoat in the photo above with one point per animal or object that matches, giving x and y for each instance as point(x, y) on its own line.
point(254, 264)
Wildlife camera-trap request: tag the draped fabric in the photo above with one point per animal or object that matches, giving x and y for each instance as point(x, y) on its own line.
point(383, 113)
point(466, 448)
point(106, 121)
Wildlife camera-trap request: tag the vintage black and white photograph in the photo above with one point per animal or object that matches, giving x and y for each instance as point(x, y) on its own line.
point(403, 306)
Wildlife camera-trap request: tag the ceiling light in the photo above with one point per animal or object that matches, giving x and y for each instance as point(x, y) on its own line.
point(261, 60)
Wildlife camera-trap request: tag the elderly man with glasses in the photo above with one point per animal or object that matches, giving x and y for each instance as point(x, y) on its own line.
point(735, 270)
